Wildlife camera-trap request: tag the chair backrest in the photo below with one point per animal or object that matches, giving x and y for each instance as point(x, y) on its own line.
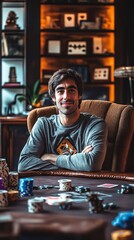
point(120, 122)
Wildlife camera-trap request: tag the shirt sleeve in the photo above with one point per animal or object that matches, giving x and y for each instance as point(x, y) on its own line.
point(33, 150)
point(97, 137)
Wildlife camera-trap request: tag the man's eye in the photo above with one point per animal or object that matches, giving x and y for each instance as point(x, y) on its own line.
point(72, 90)
point(60, 91)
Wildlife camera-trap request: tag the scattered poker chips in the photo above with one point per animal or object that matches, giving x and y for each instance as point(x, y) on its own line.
point(26, 187)
point(126, 189)
point(124, 220)
point(35, 205)
point(82, 189)
point(121, 235)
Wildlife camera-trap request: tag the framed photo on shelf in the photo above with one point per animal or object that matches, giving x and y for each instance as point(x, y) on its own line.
point(46, 75)
point(83, 70)
point(81, 17)
point(97, 45)
point(69, 20)
point(54, 46)
point(77, 48)
point(101, 74)
point(52, 21)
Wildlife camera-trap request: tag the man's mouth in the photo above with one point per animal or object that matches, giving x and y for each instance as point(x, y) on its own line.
point(67, 103)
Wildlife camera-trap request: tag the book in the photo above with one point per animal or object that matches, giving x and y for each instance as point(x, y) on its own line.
point(11, 84)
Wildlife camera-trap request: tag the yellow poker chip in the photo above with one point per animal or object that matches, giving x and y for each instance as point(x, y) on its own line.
point(121, 235)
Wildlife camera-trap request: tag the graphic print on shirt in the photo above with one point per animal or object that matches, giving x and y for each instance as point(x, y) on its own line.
point(66, 147)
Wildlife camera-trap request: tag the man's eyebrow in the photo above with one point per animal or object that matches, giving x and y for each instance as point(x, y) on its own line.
point(61, 88)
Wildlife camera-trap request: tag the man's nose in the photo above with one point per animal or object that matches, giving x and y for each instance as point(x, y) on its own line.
point(66, 94)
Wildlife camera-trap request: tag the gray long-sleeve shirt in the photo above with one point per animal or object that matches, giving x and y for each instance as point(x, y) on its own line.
point(50, 136)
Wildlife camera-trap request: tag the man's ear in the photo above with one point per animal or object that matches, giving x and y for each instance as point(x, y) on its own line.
point(53, 98)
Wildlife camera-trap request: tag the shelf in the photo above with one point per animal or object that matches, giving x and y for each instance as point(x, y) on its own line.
point(81, 35)
point(13, 54)
point(73, 30)
point(21, 86)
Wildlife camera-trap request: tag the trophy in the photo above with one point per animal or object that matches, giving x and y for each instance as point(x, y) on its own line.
point(11, 21)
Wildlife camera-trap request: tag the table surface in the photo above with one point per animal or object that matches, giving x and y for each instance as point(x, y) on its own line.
point(123, 201)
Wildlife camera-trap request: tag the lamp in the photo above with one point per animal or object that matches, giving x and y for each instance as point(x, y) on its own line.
point(126, 72)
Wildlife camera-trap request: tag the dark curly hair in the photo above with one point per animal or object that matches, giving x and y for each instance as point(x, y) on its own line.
point(65, 74)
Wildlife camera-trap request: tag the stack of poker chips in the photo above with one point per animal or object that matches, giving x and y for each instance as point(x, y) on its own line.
point(3, 198)
point(65, 184)
point(26, 187)
point(95, 204)
point(35, 205)
point(13, 180)
point(4, 171)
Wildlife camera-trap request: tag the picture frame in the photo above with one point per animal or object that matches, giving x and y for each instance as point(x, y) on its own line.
point(83, 70)
point(52, 21)
point(77, 47)
point(97, 45)
point(46, 75)
point(101, 74)
point(81, 17)
point(86, 24)
point(53, 46)
point(69, 20)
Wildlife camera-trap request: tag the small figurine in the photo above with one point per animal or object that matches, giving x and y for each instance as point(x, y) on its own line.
point(11, 21)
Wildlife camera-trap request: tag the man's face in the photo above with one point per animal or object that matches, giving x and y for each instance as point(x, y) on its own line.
point(67, 97)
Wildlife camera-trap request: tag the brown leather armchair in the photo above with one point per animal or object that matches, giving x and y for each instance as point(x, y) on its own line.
point(120, 121)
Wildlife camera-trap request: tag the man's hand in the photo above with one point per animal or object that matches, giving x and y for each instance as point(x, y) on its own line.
point(49, 157)
point(52, 157)
point(87, 149)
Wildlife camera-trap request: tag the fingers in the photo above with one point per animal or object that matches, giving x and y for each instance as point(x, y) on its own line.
point(87, 149)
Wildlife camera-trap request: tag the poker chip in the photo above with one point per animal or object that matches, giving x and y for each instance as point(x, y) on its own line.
point(126, 189)
point(95, 204)
point(109, 206)
point(3, 198)
point(65, 184)
point(4, 171)
point(82, 189)
point(13, 195)
point(13, 180)
point(124, 220)
point(1, 183)
point(35, 205)
point(121, 235)
point(26, 187)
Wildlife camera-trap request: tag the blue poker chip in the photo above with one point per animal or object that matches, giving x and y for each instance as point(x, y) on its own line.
point(124, 220)
point(26, 187)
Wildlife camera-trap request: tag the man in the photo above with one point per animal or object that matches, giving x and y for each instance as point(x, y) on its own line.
point(70, 140)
